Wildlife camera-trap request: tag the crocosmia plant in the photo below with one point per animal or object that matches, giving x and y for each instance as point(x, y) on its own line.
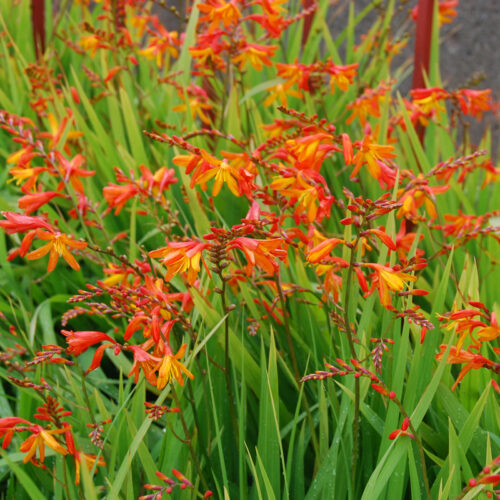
point(239, 260)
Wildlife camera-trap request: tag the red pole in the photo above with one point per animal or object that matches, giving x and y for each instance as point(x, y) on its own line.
point(422, 42)
point(306, 4)
point(38, 23)
point(422, 55)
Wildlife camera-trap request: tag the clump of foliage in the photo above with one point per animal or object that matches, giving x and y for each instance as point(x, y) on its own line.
point(237, 251)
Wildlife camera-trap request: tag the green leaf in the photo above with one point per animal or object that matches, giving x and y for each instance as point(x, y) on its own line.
point(268, 444)
point(24, 479)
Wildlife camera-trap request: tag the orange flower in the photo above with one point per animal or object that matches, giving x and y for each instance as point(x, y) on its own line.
point(403, 431)
point(88, 461)
point(217, 11)
point(404, 243)
point(33, 201)
point(387, 279)
point(262, 253)
point(374, 155)
point(368, 104)
point(472, 361)
point(162, 47)
point(170, 367)
point(18, 223)
point(71, 171)
point(58, 130)
point(198, 106)
point(465, 323)
point(462, 225)
point(256, 55)
point(181, 257)
point(79, 342)
point(307, 196)
point(332, 283)
point(319, 252)
point(90, 43)
point(475, 102)
point(310, 151)
point(341, 76)
point(8, 427)
point(281, 91)
point(446, 11)
point(145, 362)
point(415, 197)
point(26, 174)
point(57, 245)
point(428, 101)
point(39, 438)
point(116, 195)
point(223, 172)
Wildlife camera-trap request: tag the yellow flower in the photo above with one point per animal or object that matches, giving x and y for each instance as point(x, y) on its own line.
point(170, 367)
point(39, 439)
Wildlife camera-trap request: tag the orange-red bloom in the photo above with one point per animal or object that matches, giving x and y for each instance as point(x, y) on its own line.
point(319, 252)
point(8, 427)
point(71, 171)
point(31, 202)
point(217, 12)
point(181, 257)
point(145, 362)
point(459, 356)
point(88, 460)
point(79, 342)
point(257, 55)
point(403, 431)
point(18, 223)
point(375, 156)
point(170, 367)
point(261, 253)
point(38, 439)
point(387, 279)
point(58, 244)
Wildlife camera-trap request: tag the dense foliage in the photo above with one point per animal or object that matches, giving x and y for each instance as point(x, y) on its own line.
point(236, 262)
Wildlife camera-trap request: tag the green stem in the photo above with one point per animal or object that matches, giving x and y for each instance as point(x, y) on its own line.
point(419, 445)
point(294, 363)
point(188, 440)
point(66, 487)
point(86, 396)
point(227, 363)
point(350, 335)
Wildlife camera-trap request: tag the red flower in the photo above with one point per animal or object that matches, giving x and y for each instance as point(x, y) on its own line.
point(33, 201)
point(261, 253)
point(403, 431)
point(71, 171)
point(181, 257)
point(116, 195)
point(472, 361)
point(79, 342)
point(18, 223)
point(8, 427)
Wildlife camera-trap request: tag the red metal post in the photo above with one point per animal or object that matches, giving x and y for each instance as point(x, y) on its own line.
point(38, 24)
point(307, 20)
point(422, 56)
point(422, 42)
